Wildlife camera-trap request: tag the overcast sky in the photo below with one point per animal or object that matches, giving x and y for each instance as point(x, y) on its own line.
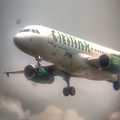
point(94, 20)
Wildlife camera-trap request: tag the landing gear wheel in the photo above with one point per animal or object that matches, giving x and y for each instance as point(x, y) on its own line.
point(69, 91)
point(116, 85)
point(66, 91)
point(72, 91)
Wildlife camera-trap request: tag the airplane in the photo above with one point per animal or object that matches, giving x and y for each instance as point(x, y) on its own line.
point(68, 56)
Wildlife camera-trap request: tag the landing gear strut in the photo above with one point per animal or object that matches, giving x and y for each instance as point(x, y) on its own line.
point(116, 85)
point(68, 90)
point(38, 70)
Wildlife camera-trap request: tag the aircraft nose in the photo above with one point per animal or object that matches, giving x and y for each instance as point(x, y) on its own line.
point(18, 40)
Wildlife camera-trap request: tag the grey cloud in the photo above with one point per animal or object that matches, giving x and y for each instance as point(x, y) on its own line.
point(115, 116)
point(71, 114)
point(50, 113)
point(13, 107)
point(53, 113)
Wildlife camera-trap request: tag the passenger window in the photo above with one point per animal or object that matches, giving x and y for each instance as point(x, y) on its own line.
point(37, 31)
point(26, 30)
point(33, 31)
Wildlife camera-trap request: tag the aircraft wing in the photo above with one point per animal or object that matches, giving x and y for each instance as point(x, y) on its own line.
point(13, 72)
point(21, 71)
point(116, 55)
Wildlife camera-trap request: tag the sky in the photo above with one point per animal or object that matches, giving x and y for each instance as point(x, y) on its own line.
point(93, 20)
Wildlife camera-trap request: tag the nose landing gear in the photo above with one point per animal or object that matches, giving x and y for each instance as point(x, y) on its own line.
point(38, 70)
point(38, 59)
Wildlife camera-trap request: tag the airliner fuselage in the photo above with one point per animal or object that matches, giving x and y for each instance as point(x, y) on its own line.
point(70, 57)
point(69, 53)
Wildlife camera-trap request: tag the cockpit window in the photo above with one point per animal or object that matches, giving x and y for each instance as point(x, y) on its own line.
point(26, 30)
point(33, 31)
point(20, 31)
point(37, 31)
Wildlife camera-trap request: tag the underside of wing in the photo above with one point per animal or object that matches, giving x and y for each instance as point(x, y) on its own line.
point(50, 66)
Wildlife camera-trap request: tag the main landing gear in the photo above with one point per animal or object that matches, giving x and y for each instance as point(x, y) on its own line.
point(38, 70)
point(68, 90)
point(116, 85)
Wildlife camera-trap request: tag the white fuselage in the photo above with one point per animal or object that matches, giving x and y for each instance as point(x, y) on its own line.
point(67, 52)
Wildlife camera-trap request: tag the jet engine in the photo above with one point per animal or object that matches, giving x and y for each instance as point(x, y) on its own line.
point(106, 62)
point(39, 75)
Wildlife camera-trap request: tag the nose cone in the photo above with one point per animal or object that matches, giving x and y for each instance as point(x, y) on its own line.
point(18, 40)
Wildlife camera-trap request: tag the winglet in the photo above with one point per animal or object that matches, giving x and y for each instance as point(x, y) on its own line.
point(7, 73)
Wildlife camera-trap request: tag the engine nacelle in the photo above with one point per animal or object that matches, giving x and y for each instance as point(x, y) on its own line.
point(30, 72)
point(106, 62)
point(110, 62)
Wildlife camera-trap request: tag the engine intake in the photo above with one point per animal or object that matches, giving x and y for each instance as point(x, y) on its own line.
point(106, 62)
point(30, 72)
